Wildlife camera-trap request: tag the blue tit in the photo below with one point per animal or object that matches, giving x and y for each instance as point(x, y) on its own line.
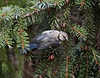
point(47, 39)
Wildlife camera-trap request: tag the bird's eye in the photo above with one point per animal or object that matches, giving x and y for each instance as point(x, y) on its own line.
point(65, 37)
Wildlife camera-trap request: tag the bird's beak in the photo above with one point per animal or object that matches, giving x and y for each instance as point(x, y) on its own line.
point(66, 39)
point(65, 36)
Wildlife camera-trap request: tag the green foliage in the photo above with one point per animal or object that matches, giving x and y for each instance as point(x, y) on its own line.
point(12, 27)
point(21, 3)
point(10, 35)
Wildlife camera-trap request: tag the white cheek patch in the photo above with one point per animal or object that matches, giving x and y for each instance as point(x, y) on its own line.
point(61, 37)
point(65, 36)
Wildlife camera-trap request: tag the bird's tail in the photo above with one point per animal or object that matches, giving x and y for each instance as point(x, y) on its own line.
point(28, 48)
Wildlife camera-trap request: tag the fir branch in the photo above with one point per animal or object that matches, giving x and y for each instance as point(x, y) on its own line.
point(66, 65)
point(55, 71)
point(5, 40)
point(22, 42)
point(94, 56)
point(45, 69)
point(66, 62)
point(37, 12)
point(21, 36)
point(82, 3)
point(66, 59)
point(87, 64)
point(73, 28)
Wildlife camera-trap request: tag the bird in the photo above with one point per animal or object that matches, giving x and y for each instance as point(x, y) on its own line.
point(47, 39)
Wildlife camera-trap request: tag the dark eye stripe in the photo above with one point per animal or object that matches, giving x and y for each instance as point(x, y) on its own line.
point(65, 37)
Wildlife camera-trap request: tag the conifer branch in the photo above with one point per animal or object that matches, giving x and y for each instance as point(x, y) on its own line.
point(82, 3)
point(73, 28)
point(87, 64)
point(66, 65)
point(5, 40)
point(21, 36)
point(94, 56)
point(55, 71)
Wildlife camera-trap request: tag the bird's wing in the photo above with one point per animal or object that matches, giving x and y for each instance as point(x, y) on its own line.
point(50, 41)
point(38, 39)
point(46, 36)
point(53, 36)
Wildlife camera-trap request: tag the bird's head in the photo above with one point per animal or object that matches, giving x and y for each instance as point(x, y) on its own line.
point(63, 36)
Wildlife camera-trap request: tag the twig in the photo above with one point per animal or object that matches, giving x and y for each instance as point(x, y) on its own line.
point(94, 57)
point(38, 11)
point(45, 68)
point(30, 14)
point(82, 3)
point(87, 65)
point(66, 65)
point(56, 70)
point(6, 40)
point(66, 59)
point(21, 36)
point(73, 28)
point(66, 62)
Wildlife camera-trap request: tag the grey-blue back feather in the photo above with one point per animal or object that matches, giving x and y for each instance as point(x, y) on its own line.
point(39, 38)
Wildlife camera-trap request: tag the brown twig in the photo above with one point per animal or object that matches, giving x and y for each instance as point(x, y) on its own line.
point(56, 70)
point(66, 58)
point(87, 64)
point(38, 11)
point(82, 3)
point(73, 28)
point(30, 14)
point(66, 65)
point(6, 40)
point(66, 61)
point(21, 36)
point(94, 57)
point(45, 68)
